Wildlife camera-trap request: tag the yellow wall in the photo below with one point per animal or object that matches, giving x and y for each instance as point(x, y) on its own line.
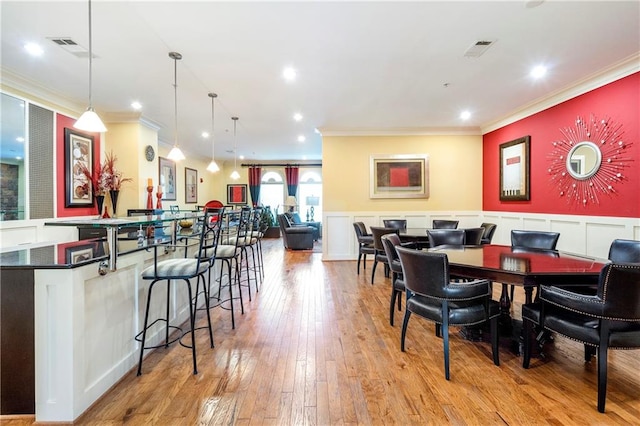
point(455, 172)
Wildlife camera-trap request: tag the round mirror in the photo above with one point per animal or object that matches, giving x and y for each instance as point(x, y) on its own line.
point(583, 160)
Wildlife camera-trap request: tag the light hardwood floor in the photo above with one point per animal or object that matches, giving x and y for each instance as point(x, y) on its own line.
point(315, 347)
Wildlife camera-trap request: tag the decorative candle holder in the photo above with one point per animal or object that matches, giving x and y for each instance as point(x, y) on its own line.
point(159, 203)
point(149, 197)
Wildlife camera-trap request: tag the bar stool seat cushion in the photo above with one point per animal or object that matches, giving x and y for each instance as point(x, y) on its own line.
point(225, 250)
point(175, 268)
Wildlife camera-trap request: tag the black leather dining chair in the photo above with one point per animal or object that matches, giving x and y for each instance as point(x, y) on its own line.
point(445, 224)
point(431, 295)
point(365, 243)
point(489, 230)
point(395, 223)
point(534, 239)
point(473, 236)
point(542, 240)
point(445, 237)
point(624, 251)
point(380, 256)
point(609, 319)
point(390, 242)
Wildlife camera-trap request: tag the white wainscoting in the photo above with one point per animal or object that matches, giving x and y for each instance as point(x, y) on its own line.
point(586, 235)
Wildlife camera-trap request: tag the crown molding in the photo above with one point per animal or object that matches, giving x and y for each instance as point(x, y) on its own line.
point(610, 74)
point(425, 131)
point(42, 94)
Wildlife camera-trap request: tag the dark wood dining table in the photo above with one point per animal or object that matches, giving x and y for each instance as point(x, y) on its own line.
point(528, 268)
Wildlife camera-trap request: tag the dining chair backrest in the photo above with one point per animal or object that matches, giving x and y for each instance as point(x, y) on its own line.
point(473, 236)
point(624, 251)
point(445, 237)
point(395, 223)
point(445, 224)
point(377, 233)
point(489, 230)
point(361, 230)
point(534, 239)
point(390, 241)
point(425, 273)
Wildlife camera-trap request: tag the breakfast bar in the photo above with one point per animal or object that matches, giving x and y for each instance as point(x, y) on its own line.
point(69, 315)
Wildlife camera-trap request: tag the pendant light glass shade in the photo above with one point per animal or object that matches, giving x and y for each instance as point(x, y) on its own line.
point(213, 166)
point(175, 154)
point(235, 175)
point(89, 120)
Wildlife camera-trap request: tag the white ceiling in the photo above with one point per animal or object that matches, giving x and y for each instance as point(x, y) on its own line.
point(372, 67)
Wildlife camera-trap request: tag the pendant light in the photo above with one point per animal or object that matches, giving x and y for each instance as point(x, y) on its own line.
point(235, 175)
point(213, 166)
point(89, 120)
point(175, 154)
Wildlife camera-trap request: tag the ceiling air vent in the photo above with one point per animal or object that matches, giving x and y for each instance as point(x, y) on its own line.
point(478, 48)
point(71, 46)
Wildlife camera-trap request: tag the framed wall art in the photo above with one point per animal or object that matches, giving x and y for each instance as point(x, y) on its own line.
point(237, 194)
point(399, 176)
point(514, 170)
point(167, 178)
point(78, 154)
point(79, 253)
point(190, 185)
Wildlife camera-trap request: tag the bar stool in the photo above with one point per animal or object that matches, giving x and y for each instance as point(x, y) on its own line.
point(177, 269)
point(228, 253)
point(244, 241)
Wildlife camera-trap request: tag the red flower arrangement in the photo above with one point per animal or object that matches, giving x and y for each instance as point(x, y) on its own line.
point(106, 177)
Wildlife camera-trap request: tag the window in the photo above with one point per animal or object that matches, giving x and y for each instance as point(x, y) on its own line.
point(272, 192)
point(310, 196)
point(12, 158)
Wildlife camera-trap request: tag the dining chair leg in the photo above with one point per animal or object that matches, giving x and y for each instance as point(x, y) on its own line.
point(405, 322)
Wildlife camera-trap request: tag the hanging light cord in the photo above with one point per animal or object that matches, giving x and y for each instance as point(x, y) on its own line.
point(213, 137)
point(235, 144)
point(175, 99)
point(90, 60)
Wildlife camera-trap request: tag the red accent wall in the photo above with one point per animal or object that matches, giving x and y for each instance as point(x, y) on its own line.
point(63, 121)
point(620, 101)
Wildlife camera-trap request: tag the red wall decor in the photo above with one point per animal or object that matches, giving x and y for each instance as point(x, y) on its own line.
point(618, 101)
point(63, 121)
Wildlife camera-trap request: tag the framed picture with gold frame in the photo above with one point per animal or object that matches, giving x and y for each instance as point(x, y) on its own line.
point(399, 176)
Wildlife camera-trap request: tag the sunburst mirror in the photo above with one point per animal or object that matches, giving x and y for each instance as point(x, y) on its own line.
point(589, 160)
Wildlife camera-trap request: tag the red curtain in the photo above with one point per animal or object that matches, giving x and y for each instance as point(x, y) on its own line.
point(291, 172)
point(255, 176)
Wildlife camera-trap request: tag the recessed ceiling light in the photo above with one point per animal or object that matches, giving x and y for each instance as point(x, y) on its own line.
point(304, 157)
point(317, 131)
point(465, 115)
point(301, 138)
point(18, 158)
point(539, 71)
point(289, 73)
point(205, 135)
point(33, 49)
point(20, 139)
point(297, 116)
point(241, 157)
point(136, 105)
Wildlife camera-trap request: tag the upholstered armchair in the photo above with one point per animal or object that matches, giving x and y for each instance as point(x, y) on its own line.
point(610, 319)
point(295, 237)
